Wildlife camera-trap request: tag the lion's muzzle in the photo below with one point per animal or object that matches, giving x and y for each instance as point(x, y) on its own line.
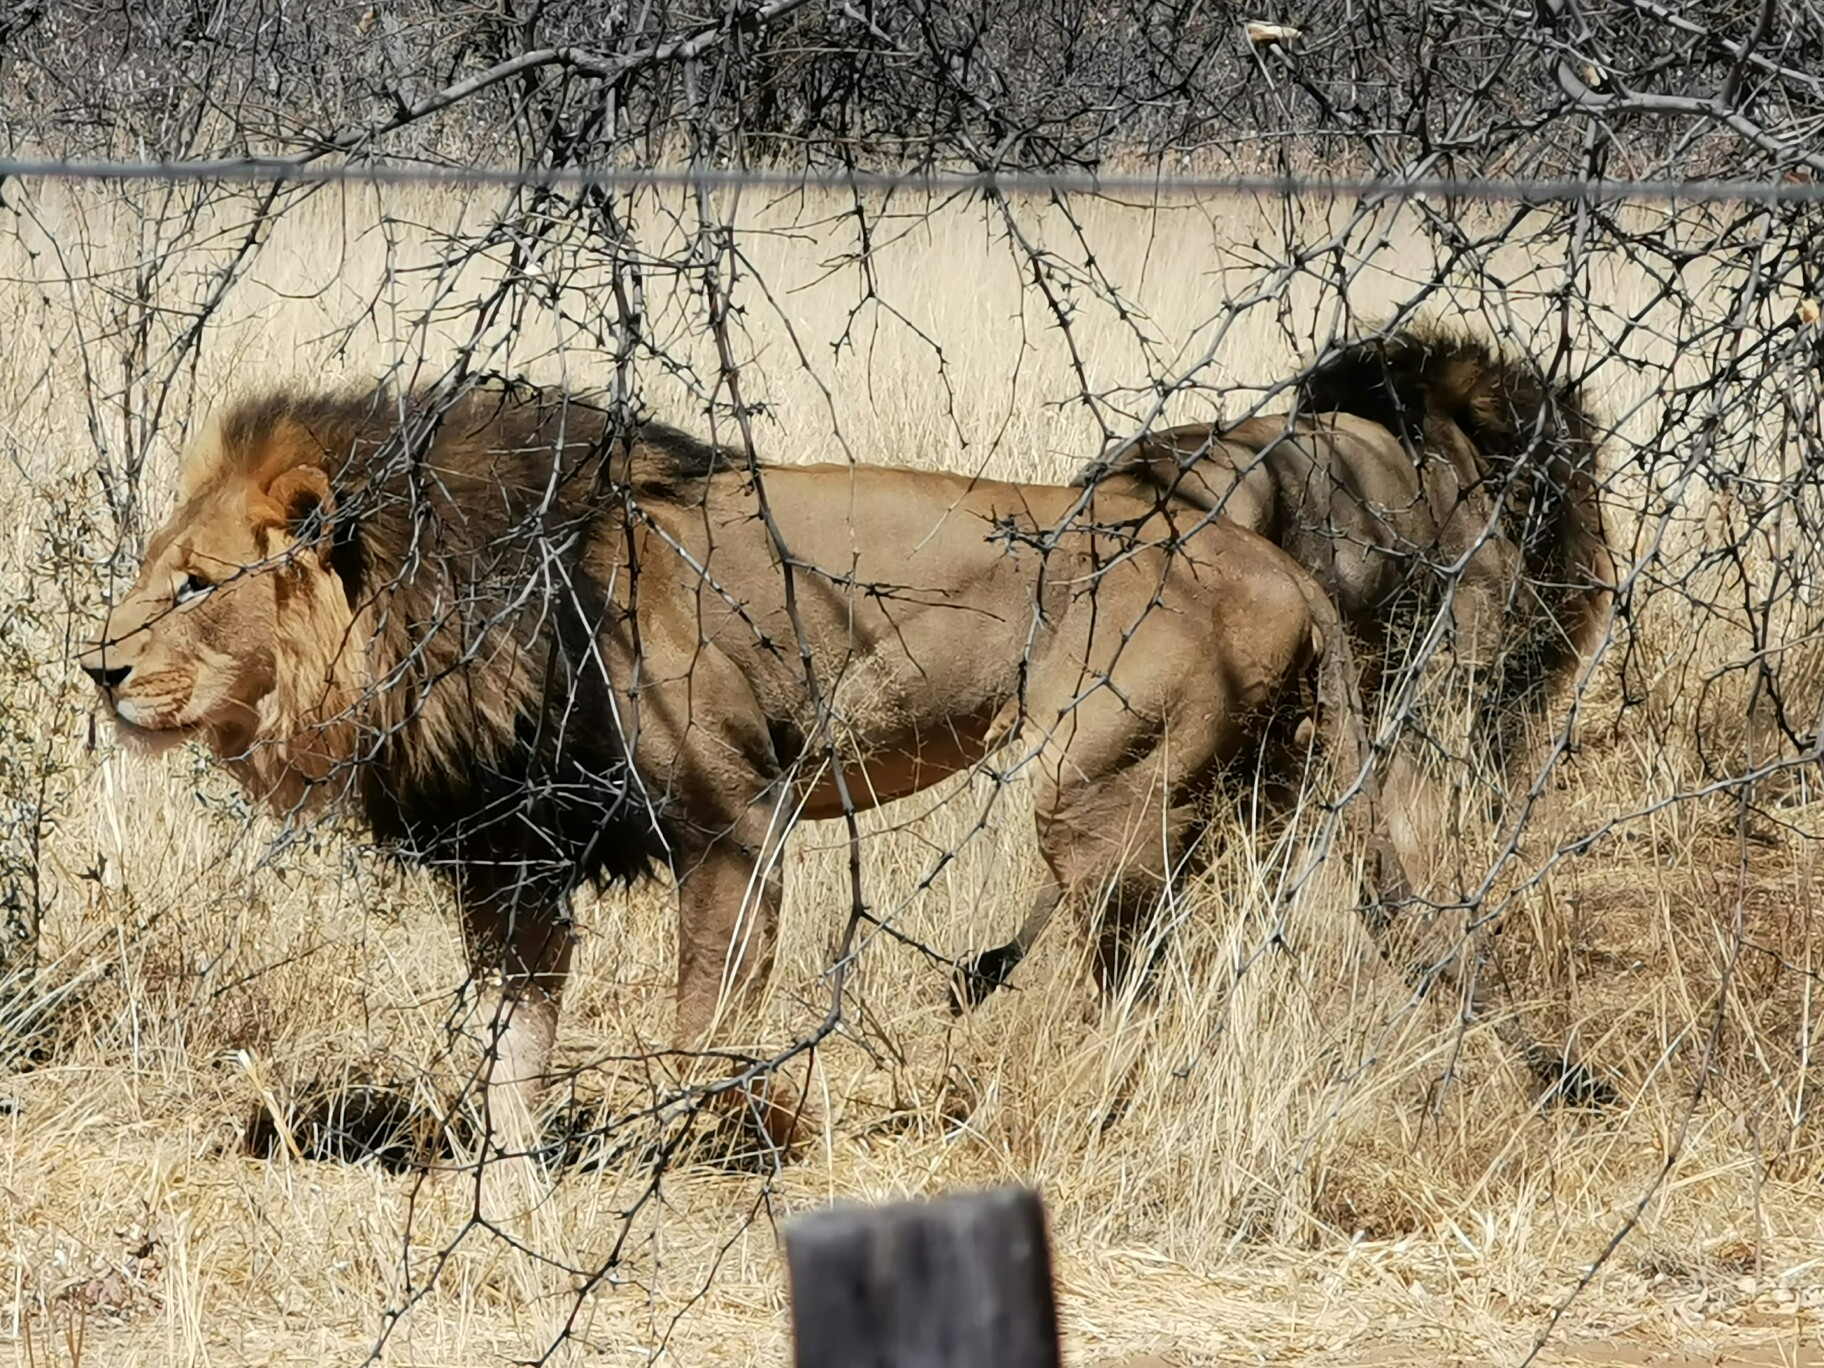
point(108, 675)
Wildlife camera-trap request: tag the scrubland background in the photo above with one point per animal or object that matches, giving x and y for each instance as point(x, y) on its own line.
point(1282, 1158)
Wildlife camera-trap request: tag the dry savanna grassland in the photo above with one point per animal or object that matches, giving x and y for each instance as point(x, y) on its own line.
point(1280, 1157)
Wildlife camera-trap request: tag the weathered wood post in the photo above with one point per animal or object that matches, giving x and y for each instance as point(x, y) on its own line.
point(960, 1282)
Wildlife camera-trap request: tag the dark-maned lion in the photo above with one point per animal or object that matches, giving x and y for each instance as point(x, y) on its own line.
point(1444, 494)
point(1424, 478)
point(538, 652)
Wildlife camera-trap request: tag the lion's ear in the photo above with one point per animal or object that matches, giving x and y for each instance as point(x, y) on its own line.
point(301, 505)
point(300, 493)
point(297, 505)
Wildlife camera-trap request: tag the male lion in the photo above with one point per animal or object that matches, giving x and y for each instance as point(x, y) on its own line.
point(1442, 493)
point(538, 650)
point(1428, 481)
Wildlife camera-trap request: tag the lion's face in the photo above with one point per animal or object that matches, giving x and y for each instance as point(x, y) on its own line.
point(195, 648)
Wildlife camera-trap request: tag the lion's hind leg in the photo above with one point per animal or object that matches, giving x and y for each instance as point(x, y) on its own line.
point(1119, 801)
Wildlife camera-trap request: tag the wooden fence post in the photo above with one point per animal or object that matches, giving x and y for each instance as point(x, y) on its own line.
point(960, 1282)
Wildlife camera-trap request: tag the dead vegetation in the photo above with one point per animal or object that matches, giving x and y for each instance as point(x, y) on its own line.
point(1282, 1157)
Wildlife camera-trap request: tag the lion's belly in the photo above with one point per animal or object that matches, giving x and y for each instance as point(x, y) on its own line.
point(895, 768)
point(905, 715)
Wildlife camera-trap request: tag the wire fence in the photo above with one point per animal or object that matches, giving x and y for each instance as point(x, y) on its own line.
point(262, 171)
point(767, 620)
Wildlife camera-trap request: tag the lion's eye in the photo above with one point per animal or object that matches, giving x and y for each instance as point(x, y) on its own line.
point(193, 585)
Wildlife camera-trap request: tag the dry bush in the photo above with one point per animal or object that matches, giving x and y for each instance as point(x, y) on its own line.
point(1281, 1153)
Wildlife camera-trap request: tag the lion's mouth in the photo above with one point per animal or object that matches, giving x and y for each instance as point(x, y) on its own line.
point(139, 736)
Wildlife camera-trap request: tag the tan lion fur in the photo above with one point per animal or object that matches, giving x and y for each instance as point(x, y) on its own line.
point(1426, 478)
point(536, 651)
point(1419, 471)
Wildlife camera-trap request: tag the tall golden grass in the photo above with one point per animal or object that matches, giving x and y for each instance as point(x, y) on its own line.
point(1260, 1163)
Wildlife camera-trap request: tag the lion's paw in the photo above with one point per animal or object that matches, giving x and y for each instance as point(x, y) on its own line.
point(977, 978)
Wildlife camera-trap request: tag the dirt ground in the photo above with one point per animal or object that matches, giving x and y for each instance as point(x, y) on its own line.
point(1801, 1349)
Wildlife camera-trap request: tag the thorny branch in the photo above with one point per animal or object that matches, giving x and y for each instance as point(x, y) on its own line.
point(1714, 505)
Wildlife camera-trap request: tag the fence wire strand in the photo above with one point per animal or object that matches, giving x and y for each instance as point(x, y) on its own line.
point(1165, 184)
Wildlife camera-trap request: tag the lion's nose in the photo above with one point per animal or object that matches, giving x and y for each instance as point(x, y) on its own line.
point(108, 676)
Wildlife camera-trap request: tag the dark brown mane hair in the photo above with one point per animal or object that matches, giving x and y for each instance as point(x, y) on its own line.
point(1537, 445)
point(466, 533)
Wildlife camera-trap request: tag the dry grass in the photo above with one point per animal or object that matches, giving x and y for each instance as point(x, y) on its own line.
point(1281, 1180)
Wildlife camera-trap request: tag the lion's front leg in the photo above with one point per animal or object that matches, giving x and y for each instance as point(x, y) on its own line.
point(519, 954)
point(728, 911)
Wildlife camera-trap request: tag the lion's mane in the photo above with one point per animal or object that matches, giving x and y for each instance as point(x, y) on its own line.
point(462, 698)
point(1536, 444)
